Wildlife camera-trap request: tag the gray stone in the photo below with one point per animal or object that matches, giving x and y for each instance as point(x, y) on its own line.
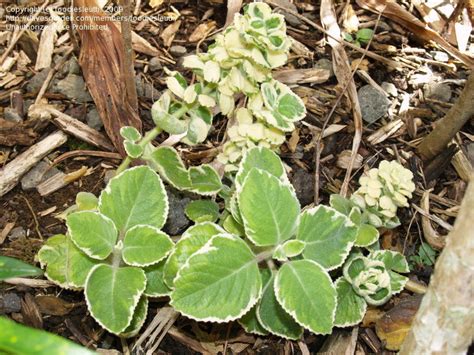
point(304, 186)
point(177, 220)
point(373, 103)
point(178, 51)
point(35, 176)
point(440, 56)
point(324, 63)
point(74, 88)
point(389, 88)
point(10, 303)
point(12, 115)
point(93, 119)
point(291, 19)
point(145, 89)
point(17, 233)
point(35, 83)
point(154, 64)
point(438, 91)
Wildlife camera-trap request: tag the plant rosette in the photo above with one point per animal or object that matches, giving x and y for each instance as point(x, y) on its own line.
point(114, 250)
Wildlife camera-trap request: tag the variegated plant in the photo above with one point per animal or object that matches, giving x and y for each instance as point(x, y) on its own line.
point(238, 63)
point(114, 250)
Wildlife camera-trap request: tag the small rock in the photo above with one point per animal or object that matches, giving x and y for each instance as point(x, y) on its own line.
point(12, 115)
point(440, 56)
point(71, 67)
point(177, 220)
point(438, 91)
point(35, 83)
point(291, 19)
point(304, 186)
point(145, 89)
point(17, 233)
point(324, 63)
point(93, 119)
point(373, 103)
point(10, 303)
point(74, 88)
point(109, 174)
point(390, 89)
point(154, 64)
point(35, 176)
point(178, 51)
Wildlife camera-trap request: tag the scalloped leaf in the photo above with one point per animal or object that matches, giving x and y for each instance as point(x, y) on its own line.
point(93, 233)
point(155, 284)
point(65, 264)
point(86, 201)
point(395, 263)
point(202, 211)
point(112, 295)
point(269, 208)
point(130, 133)
point(169, 164)
point(145, 245)
point(138, 319)
point(219, 283)
point(304, 289)
point(351, 307)
point(328, 234)
point(366, 235)
point(263, 159)
point(204, 180)
point(273, 317)
point(289, 249)
point(136, 196)
point(193, 239)
point(133, 150)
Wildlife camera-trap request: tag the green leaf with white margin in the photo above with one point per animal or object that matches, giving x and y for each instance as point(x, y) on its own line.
point(86, 201)
point(171, 168)
point(155, 284)
point(145, 245)
point(197, 130)
point(138, 319)
point(269, 208)
point(65, 264)
point(249, 320)
point(341, 204)
point(11, 267)
point(133, 150)
point(130, 133)
point(263, 159)
point(136, 196)
point(291, 106)
point(202, 211)
point(351, 307)
point(289, 249)
point(193, 239)
point(234, 208)
point(233, 227)
point(366, 235)
point(112, 294)
point(328, 234)
point(304, 289)
point(273, 317)
point(93, 233)
point(395, 263)
point(219, 283)
point(204, 180)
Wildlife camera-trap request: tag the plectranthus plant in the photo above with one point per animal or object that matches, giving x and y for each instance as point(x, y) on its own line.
point(237, 67)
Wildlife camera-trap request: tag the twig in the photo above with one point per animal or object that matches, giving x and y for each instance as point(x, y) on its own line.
point(23, 30)
point(34, 216)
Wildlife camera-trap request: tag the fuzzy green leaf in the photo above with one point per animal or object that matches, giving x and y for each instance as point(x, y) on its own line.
point(305, 290)
point(145, 245)
point(269, 208)
point(112, 294)
point(93, 233)
point(65, 264)
point(289, 249)
point(133, 150)
point(395, 263)
point(328, 234)
point(273, 317)
point(219, 283)
point(366, 235)
point(138, 319)
point(155, 285)
point(11, 267)
point(202, 211)
point(171, 168)
point(130, 133)
point(191, 241)
point(350, 306)
point(204, 180)
point(136, 196)
point(86, 201)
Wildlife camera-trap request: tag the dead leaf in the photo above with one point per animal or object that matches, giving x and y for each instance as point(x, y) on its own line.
point(202, 31)
point(156, 3)
point(103, 66)
point(394, 325)
point(398, 14)
point(31, 314)
point(371, 316)
point(169, 32)
point(53, 306)
point(233, 6)
point(293, 141)
point(350, 21)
